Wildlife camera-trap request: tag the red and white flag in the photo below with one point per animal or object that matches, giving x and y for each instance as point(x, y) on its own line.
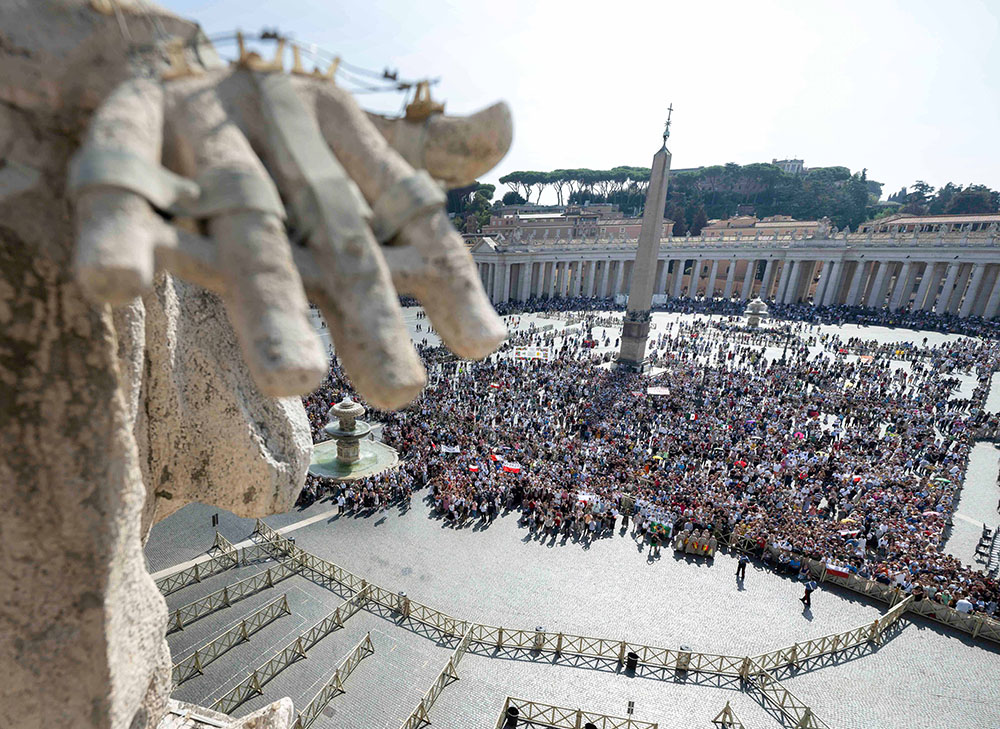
point(512, 467)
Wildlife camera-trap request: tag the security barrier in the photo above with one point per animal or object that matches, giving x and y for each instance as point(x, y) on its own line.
point(421, 714)
point(798, 652)
point(756, 670)
point(194, 664)
point(251, 685)
point(979, 626)
point(538, 714)
point(229, 594)
point(446, 624)
point(784, 700)
point(727, 719)
point(335, 685)
point(226, 559)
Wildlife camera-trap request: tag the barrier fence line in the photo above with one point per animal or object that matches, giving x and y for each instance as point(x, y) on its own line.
point(797, 652)
point(226, 559)
point(411, 609)
point(979, 626)
point(535, 713)
point(335, 685)
point(421, 714)
point(727, 719)
point(194, 664)
point(251, 685)
point(187, 614)
point(784, 700)
point(255, 553)
point(591, 647)
point(755, 670)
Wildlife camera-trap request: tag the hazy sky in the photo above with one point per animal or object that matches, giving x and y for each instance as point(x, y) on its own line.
point(910, 90)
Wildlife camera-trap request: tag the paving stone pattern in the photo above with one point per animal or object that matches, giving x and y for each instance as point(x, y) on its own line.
point(925, 676)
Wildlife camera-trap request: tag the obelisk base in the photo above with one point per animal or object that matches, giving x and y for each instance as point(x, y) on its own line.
point(633, 350)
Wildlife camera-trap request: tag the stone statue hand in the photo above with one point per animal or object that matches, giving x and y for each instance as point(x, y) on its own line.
point(209, 176)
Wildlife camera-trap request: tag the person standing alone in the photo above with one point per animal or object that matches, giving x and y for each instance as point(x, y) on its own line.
point(741, 567)
point(805, 599)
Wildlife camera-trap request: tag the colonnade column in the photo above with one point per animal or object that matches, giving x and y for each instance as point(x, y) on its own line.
point(765, 285)
point(710, 286)
point(832, 286)
point(505, 282)
point(949, 285)
point(970, 294)
point(854, 292)
point(925, 283)
point(695, 274)
point(605, 265)
point(748, 274)
point(786, 270)
point(877, 296)
point(824, 280)
point(524, 281)
point(956, 296)
point(727, 291)
point(678, 277)
point(792, 284)
point(619, 277)
point(992, 272)
point(661, 280)
point(904, 286)
point(993, 303)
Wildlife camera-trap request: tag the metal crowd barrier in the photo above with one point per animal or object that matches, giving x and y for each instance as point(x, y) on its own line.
point(251, 685)
point(335, 685)
point(194, 664)
point(756, 670)
point(443, 622)
point(979, 626)
point(227, 559)
point(421, 714)
point(727, 719)
point(187, 614)
point(784, 700)
point(558, 717)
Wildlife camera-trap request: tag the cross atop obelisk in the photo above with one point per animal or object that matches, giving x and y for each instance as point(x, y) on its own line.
point(635, 330)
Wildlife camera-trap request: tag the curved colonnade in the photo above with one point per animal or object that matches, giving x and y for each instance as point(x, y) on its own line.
point(944, 273)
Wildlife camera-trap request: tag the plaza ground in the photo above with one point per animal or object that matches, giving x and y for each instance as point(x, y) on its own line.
point(924, 676)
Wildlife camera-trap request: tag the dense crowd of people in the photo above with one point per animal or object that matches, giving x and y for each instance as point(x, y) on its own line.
point(835, 450)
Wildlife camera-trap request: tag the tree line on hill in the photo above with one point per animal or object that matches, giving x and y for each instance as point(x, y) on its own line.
point(722, 191)
point(951, 199)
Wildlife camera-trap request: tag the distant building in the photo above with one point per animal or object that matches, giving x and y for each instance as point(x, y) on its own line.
point(781, 225)
point(587, 221)
point(790, 166)
point(906, 223)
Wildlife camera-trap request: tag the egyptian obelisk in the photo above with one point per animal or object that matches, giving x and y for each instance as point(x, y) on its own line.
point(640, 294)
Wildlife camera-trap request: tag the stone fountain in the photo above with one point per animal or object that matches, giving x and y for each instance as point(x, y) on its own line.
point(755, 311)
point(350, 453)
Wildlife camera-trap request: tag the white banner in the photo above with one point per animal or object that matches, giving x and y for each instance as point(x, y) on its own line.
point(533, 353)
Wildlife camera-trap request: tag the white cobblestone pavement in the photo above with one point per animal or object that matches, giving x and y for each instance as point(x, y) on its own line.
point(923, 677)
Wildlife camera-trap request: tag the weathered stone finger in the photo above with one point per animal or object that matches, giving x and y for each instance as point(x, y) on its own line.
point(113, 256)
point(263, 292)
point(329, 213)
point(453, 149)
point(446, 283)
